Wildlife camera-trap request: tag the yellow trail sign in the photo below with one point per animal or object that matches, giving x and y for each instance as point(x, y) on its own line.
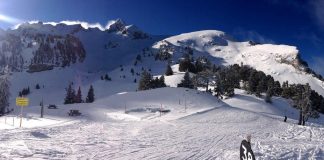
point(22, 102)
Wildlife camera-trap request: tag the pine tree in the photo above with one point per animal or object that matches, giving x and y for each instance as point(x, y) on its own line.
point(277, 88)
point(90, 97)
point(298, 100)
point(260, 87)
point(230, 82)
point(218, 89)
point(138, 58)
point(204, 79)
point(78, 97)
point(37, 86)
point(269, 94)
point(4, 92)
point(252, 83)
point(224, 83)
point(107, 78)
point(161, 82)
point(259, 90)
point(70, 95)
point(145, 81)
point(169, 71)
point(186, 65)
point(307, 109)
point(132, 71)
point(186, 82)
point(245, 86)
point(287, 91)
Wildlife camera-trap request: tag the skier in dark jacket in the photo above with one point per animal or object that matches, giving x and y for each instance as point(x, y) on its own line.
point(285, 120)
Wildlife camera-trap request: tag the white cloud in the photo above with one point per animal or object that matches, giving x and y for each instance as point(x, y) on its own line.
point(85, 25)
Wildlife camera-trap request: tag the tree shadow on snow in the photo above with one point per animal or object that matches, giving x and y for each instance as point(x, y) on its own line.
point(39, 135)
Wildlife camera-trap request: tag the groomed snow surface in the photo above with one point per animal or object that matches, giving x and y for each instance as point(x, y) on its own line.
point(198, 126)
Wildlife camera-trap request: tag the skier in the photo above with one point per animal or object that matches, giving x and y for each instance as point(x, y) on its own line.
point(285, 120)
point(246, 152)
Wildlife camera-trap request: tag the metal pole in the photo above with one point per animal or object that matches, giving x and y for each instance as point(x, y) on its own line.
point(42, 109)
point(185, 103)
point(21, 114)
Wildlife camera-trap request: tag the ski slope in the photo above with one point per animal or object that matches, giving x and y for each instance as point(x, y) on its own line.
point(207, 129)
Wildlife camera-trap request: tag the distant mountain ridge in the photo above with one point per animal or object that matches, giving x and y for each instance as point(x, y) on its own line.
point(281, 61)
point(38, 46)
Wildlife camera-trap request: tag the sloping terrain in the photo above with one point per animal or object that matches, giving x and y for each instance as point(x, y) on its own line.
point(124, 123)
point(280, 61)
point(208, 129)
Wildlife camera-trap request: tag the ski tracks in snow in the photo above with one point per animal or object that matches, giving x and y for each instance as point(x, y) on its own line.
point(193, 137)
point(294, 142)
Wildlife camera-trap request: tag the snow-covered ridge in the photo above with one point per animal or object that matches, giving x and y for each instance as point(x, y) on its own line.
point(103, 44)
point(215, 39)
point(280, 61)
point(85, 25)
point(42, 41)
point(112, 26)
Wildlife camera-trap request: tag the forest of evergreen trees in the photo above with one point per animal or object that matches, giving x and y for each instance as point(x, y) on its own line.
point(223, 80)
point(72, 97)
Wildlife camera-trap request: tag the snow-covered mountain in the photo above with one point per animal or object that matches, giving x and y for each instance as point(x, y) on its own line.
point(39, 46)
point(281, 61)
point(124, 123)
point(92, 48)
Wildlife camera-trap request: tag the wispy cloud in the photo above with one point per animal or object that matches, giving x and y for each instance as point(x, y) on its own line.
point(10, 20)
point(317, 9)
point(246, 35)
point(317, 64)
point(312, 37)
point(314, 8)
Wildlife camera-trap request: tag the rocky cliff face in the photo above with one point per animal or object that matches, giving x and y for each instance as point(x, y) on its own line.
point(27, 46)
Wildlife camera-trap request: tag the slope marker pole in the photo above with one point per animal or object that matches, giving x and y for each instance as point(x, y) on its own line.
point(21, 115)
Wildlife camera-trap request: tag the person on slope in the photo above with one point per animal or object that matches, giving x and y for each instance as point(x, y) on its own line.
point(246, 152)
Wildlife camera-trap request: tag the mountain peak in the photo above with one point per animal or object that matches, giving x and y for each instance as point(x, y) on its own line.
point(117, 25)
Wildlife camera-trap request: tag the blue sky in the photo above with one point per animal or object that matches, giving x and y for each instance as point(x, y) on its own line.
point(293, 22)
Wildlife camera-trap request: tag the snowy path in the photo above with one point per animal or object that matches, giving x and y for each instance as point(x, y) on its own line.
point(215, 134)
